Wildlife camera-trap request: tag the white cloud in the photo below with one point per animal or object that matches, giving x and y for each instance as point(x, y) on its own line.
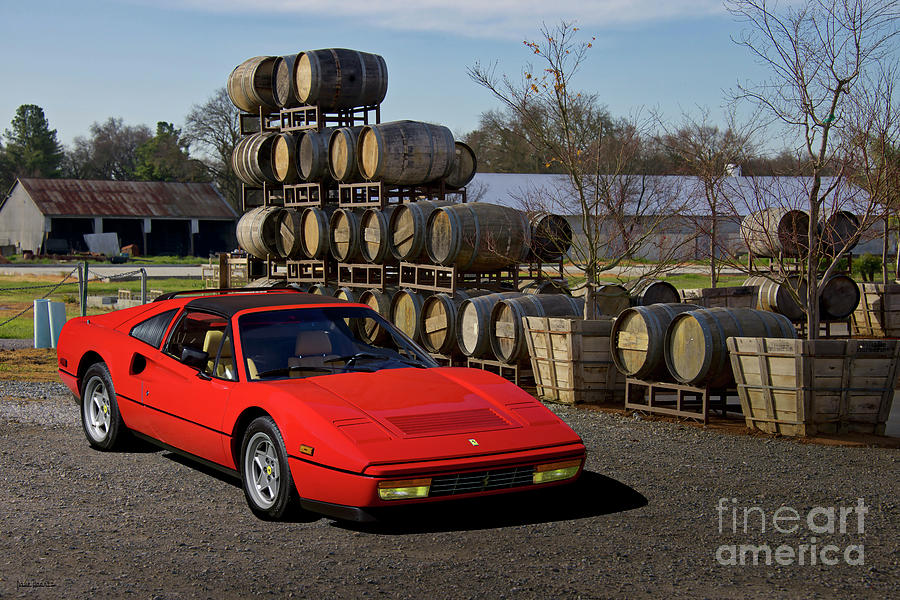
point(475, 18)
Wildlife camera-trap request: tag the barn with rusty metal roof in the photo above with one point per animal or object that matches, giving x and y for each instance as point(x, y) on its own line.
point(53, 215)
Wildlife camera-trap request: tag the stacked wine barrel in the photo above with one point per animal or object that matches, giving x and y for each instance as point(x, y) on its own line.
point(428, 231)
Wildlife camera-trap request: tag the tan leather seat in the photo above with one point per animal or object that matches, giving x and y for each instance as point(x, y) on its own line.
point(312, 349)
point(211, 343)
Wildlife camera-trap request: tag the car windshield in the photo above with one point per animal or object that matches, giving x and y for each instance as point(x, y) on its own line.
point(308, 342)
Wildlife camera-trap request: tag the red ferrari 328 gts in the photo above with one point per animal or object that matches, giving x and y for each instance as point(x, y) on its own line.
point(312, 401)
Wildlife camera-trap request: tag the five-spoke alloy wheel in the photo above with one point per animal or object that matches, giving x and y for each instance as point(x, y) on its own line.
point(99, 410)
point(265, 473)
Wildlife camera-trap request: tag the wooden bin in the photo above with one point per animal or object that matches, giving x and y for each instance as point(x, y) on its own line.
point(743, 296)
point(805, 387)
point(571, 360)
point(878, 312)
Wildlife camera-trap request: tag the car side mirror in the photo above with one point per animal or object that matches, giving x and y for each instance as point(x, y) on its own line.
point(194, 358)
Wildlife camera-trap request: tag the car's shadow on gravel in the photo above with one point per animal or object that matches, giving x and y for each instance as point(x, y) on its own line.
point(592, 495)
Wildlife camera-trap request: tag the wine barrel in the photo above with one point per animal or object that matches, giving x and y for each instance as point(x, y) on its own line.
point(285, 88)
point(344, 235)
point(644, 292)
point(776, 297)
point(372, 332)
point(638, 339)
point(250, 85)
point(251, 159)
point(776, 231)
point(339, 78)
point(507, 331)
point(284, 158)
point(257, 231)
point(350, 295)
point(342, 162)
point(838, 297)
point(478, 236)
point(408, 229)
point(609, 299)
point(545, 286)
point(405, 152)
point(322, 289)
point(695, 341)
point(375, 244)
point(551, 236)
point(473, 322)
point(312, 155)
point(289, 241)
point(406, 310)
point(464, 166)
point(838, 231)
point(438, 322)
point(315, 227)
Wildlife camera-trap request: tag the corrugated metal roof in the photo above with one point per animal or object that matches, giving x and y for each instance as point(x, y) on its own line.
point(740, 195)
point(137, 199)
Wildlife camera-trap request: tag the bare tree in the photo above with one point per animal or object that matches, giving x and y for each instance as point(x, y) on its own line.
point(109, 153)
point(214, 129)
point(821, 56)
point(700, 149)
point(602, 185)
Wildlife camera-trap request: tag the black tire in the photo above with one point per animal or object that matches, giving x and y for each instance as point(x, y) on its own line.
point(265, 472)
point(100, 417)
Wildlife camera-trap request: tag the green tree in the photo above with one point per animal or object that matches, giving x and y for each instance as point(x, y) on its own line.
point(165, 157)
point(32, 149)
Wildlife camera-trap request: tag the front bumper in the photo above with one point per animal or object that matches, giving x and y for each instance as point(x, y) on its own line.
point(345, 495)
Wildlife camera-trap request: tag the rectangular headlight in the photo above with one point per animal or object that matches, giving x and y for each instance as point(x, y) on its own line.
point(404, 489)
point(556, 471)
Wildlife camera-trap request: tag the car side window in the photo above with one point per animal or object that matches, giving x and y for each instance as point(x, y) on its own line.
point(152, 330)
point(200, 332)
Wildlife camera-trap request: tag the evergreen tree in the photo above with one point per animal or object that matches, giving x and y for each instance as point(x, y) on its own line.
point(32, 149)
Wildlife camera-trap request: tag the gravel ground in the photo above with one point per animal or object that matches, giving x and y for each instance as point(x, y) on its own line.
point(642, 522)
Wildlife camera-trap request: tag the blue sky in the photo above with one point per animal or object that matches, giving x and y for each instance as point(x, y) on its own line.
point(147, 61)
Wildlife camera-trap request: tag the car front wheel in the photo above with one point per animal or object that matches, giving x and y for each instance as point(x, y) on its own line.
point(265, 473)
point(100, 416)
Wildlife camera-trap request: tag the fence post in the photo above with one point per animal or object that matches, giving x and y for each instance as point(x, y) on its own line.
point(82, 287)
point(143, 285)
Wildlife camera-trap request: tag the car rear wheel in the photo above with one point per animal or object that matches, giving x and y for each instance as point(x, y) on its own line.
point(265, 473)
point(100, 417)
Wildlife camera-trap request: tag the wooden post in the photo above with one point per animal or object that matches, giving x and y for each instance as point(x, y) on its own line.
point(224, 273)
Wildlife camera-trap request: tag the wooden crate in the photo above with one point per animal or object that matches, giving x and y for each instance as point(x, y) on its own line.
point(878, 312)
point(743, 296)
point(805, 387)
point(572, 361)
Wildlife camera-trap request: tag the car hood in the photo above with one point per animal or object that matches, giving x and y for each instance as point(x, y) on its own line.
point(410, 415)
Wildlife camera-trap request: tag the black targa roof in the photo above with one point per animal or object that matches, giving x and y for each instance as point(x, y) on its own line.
point(231, 304)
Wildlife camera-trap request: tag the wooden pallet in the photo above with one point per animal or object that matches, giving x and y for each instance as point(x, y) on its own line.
point(301, 195)
point(311, 117)
point(675, 399)
point(310, 271)
point(379, 195)
point(518, 374)
point(249, 123)
point(366, 276)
